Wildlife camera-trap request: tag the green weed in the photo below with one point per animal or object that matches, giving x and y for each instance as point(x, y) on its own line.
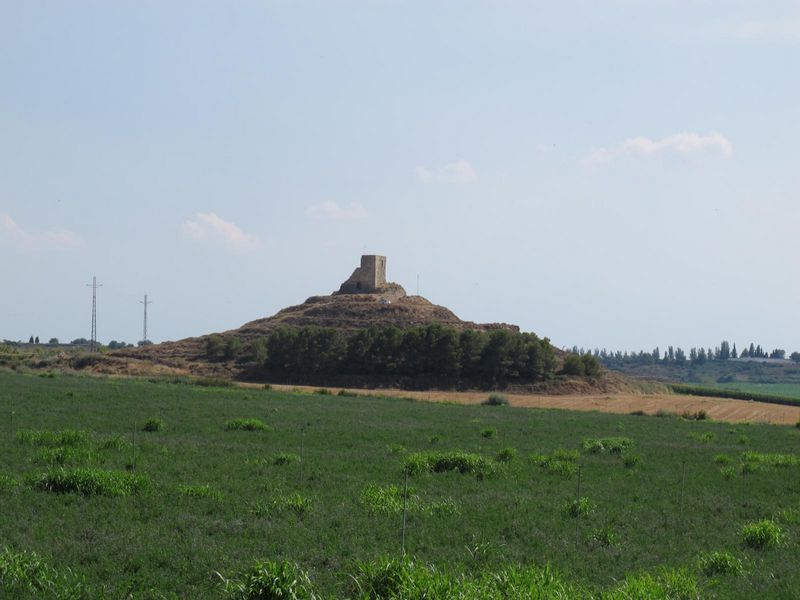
point(506, 455)
point(488, 432)
point(580, 507)
point(64, 437)
point(268, 580)
point(609, 445)
point(153, 424)
point(761, 534)
point(722, 459)
point(604, 536)
point(295, 503)
point(440, 462)
point(27, 575)
point(704, 438)
point(245, 425)
point(199, 491)
point(90, 482)
point(559, 462)
point(719, 563)
point(665, 584)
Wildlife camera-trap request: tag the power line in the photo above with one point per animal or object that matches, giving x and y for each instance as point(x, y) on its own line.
point(145, 302)
point(94, 286)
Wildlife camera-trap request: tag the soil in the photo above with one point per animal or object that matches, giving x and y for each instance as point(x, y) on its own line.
point(717, 409)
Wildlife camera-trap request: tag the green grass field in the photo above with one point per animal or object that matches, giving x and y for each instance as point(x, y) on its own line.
point(209, 494)
point(788, 390)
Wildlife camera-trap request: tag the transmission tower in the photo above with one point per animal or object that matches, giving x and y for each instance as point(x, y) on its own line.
point(94, 286)
point(145, 302)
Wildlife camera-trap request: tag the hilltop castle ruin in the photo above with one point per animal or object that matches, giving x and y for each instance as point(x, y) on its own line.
point(369, 278)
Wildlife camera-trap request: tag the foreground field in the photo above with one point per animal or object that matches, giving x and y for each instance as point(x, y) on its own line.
point(609, 501)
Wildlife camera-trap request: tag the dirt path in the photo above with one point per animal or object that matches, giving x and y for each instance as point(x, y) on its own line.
point(719, 409)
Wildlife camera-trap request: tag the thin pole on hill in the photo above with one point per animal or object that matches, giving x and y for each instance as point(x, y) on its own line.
point(145, 302)
point(683, 484)
point(405, 510)
point(94, 286)
point(133, 457)
point(577, 504)
point(11, 416)
point(302, 444)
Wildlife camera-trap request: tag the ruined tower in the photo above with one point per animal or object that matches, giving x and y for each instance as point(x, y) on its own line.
point(369, 278)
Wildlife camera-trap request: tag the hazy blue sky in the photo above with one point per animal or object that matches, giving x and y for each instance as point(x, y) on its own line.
point(605, 173)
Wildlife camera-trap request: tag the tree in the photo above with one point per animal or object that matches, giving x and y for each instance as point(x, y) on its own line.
point(724, 350)
point(30, 341)
point(36, 340)
point(214, 346)
point(53, 341)
point(573, 365)
point(778, 353)
point(680, 356)
point(795, 356)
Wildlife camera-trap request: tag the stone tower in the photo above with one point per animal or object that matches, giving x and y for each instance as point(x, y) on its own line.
point(369, 278)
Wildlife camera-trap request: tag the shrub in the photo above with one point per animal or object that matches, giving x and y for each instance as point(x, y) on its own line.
point(323, 392)
point(631, 460)
point(65, 437)
point(797, 424)
point(434, 439)
point(496, 400)
point(719, 563)
point(396, 449)
point(440, 462)
point(62, 455)
point(704, 438)
point(722, 459)
point(26, 575)
point(347, 394)
point(604, 536)
point(559, 462)
point(295, 502)
point(699, 415)
point(610, 445)
point(114, 442)
point(268, 580)
point(7, 483)
point(245, 425)
point(488, 432)
point(153, 424)
point(284, 458)
point(675, 584)
point(199, 491)
point(90, 482)
point(506, 455)
point(580, 507)
point(728, 472)
point(761, 534)
point(771, 459)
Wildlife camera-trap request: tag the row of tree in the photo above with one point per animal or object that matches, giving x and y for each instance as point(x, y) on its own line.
point(433, 351)
point(677, 355)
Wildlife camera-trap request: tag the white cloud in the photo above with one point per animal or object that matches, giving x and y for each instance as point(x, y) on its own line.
point(208, 227)
point(770, 30)
point(459, 171)
point(331, 211)
point(56, 238)
point(684, 145)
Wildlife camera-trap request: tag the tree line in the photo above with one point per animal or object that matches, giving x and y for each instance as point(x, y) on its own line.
point(433, 351)
point(676, 355)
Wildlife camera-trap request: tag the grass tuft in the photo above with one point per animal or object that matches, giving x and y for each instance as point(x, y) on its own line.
point(27, 575)
point(90, 482)
point(153, 424)
point(761, 534)
point(559, 462)
point(609, 445)
point(64, 437)
point(440, 462)
point(506, 455)
point(268, 580)
point(719, 563)
point(245, 425)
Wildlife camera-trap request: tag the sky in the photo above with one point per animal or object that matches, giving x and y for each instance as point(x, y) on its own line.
point(610, 174)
